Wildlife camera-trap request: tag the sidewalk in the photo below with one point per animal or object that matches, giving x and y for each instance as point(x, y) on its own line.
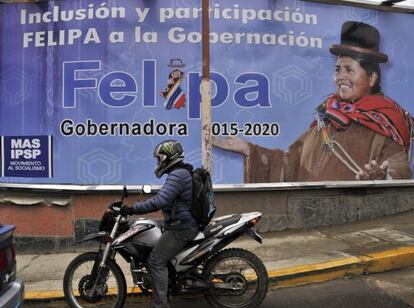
point(291, 257)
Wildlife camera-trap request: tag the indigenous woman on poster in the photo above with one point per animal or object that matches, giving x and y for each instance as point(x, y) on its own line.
point(358, 134)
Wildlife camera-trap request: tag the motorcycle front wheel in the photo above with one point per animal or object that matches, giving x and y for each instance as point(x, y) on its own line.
point(110, 289)
point(237, 279)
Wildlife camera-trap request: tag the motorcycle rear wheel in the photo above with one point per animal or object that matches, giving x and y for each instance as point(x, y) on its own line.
point(111, 291)
point(242, 269)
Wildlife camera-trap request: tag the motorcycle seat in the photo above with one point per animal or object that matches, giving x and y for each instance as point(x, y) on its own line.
point(219, 223)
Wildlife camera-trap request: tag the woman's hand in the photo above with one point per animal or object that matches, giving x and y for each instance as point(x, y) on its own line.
point(233, 144)
point(373, 171)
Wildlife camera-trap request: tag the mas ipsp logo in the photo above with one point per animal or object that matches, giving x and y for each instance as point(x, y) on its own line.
point(25, 148)
point(26, 156)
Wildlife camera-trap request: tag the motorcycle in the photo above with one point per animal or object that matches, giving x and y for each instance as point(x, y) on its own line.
point(231, 277)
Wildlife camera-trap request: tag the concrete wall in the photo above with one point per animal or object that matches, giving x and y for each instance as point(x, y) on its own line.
point(53, 221)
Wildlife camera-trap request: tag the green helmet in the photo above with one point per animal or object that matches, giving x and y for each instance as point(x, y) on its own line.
point(168, 153)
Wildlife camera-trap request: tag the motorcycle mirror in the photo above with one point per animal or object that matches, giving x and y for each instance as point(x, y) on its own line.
point(124, 193)
point(147, 188)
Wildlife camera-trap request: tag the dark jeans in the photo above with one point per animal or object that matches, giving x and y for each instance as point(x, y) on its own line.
point(168, 246)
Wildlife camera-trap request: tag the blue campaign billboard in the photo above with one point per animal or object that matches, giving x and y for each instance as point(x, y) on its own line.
point(301, 91)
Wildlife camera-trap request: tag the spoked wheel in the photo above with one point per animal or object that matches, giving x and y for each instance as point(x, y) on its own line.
point(238, 278)
point(79, 279)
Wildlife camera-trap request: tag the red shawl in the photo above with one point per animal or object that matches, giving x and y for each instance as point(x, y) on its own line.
point(376, 112)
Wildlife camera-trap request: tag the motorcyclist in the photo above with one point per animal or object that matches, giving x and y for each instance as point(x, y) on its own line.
point(174, 199)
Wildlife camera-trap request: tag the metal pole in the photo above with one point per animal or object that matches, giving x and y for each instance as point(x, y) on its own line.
point(206, 90)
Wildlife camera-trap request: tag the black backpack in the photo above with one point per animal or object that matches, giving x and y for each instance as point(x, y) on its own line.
point(203, 207)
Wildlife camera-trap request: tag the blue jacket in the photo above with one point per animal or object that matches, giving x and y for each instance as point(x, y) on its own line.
point(174, 199)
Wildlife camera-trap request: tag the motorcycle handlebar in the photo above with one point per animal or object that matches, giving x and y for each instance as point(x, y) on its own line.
point(116, 206)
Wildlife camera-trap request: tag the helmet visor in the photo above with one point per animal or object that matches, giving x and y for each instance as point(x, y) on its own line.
point(161, 158)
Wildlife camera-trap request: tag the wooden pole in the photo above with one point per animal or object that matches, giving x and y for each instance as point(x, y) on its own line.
point(206, 90)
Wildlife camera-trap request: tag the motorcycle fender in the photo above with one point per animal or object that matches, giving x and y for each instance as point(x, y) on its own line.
point(93, 237)
point(254, 235)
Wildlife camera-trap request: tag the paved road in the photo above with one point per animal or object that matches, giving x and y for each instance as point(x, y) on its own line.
point(387, 290)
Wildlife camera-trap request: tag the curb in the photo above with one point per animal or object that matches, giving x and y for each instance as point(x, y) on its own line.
point(361, 265)
point(45, 295)
point(305, 274)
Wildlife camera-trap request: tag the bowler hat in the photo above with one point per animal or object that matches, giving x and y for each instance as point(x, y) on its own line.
point(359, 39)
